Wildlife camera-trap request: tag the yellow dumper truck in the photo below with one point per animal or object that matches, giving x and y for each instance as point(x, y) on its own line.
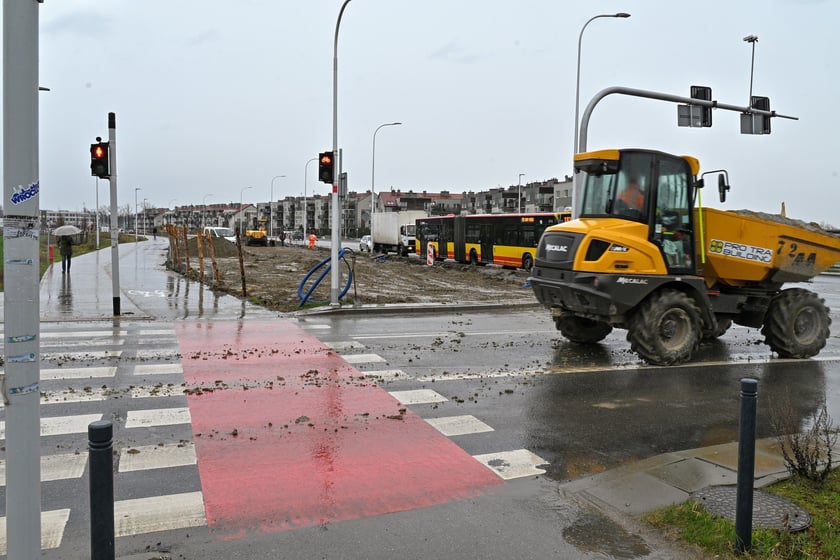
point(644, 256)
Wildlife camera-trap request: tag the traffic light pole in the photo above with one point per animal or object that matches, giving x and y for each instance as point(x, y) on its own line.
point(115, 228)
point(21, 241)
point(335, 225)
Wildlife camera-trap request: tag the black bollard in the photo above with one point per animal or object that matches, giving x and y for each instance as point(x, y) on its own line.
point(100, 440)
point(746, 466)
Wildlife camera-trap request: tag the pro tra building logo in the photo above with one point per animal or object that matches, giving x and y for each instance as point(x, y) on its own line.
point(740, 251)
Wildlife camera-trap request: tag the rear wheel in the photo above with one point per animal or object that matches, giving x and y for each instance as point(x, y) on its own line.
point(527, 261)
point(796, 324)
point(581, 329)
point(666, 328)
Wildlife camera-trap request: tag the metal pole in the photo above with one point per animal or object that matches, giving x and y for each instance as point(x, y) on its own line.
point(97, 213)
point(271, 207)
point(577, 101)
point(751, 39)
point(101, 488)
point(373, 173)
point(335, 217)
point(305, 207)
point(746, 465)
point(21, 238)
point(115, 228)
point(136, 225)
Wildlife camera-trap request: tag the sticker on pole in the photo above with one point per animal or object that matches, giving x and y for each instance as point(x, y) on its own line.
point(430, 254)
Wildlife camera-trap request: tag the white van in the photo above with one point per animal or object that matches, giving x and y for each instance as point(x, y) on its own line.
point(227, 233)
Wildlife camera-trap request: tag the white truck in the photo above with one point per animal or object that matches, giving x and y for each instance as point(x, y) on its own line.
point(394, 231)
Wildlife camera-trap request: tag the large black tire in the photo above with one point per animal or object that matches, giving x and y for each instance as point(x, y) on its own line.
point(722, 326)
point(582, 330)
point(527, 262)
point(796, 324)
point(665, 330)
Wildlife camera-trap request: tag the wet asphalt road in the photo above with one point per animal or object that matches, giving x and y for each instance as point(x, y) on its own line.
point(587, 409)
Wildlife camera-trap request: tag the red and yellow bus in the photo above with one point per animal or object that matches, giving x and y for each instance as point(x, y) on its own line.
point(508, 240)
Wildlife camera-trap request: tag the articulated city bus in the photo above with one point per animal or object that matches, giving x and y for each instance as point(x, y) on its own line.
point(508, 240)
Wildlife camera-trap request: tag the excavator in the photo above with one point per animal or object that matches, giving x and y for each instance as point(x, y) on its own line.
point(673, 273)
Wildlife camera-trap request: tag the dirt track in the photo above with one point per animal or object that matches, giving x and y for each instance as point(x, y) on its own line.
point(273, 276)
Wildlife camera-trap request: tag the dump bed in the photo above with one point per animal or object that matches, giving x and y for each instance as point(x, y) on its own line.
point(742, 247)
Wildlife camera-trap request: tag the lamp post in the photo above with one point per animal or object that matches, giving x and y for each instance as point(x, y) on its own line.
point(305, 207)
point(135, 213)
point(241, 214)
point(204, 211)
point(271, 206)
point(519, 192)
point(577, 101)
point(335, 234)
point(751, 39)
point(373, 173)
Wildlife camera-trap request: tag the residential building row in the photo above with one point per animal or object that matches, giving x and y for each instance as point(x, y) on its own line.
point(312, 214)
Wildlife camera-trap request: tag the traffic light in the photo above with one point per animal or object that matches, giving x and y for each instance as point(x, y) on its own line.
point(99, 164)
point(704, 93)
point(326, 167)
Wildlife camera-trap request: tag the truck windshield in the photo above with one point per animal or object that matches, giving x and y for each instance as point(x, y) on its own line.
point(623, 194)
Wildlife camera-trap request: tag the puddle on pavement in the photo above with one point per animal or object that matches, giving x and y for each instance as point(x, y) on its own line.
point(592, 532)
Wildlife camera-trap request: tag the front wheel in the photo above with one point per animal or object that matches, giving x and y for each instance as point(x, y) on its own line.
point(796, 324)
point(666, 328)
point(581, 329)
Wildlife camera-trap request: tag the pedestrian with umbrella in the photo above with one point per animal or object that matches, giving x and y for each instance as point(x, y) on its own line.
point(65, 245)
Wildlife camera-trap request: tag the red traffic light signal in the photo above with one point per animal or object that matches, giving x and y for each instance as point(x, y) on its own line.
point(99, 160)
point(326, 167)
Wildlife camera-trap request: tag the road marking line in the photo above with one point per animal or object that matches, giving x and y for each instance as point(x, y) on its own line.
point(56, 467)
point(61, 425)
point(81, 356)
point(169, 332)
point(147, 457)
point(83, 334)
point(78, 373)
point(158, 369)
point(157, 417)
point(512, 464)
point(418, 396)
point(52, 529)
point(459, 425)
point(160, 391)
point(342, 345)
point(315, 327)
point(74, 396)
point(443, 334)
point(354, 359)
point(158, 513)
point(386, 374)
point(159, 354)
point(81, 344)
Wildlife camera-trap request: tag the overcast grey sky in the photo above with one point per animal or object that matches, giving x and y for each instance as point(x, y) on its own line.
point(214, 96)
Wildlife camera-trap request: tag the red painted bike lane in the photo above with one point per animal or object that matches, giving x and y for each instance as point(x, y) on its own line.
point(289, 435)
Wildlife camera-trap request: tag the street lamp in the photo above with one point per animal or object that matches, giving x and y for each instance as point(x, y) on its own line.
point(373, 172)
point(305, 207)
point(241, 215)
point(204, 211)
point(519, 192)
point(577, 101)
point(135, 213)
point(751, 39)
point(271, 206)
point(335, 222)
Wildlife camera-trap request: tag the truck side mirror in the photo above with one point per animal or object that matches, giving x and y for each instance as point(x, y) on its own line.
point(722, 187)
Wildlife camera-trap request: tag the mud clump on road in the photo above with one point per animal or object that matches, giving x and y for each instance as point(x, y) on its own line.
point(275, 277)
